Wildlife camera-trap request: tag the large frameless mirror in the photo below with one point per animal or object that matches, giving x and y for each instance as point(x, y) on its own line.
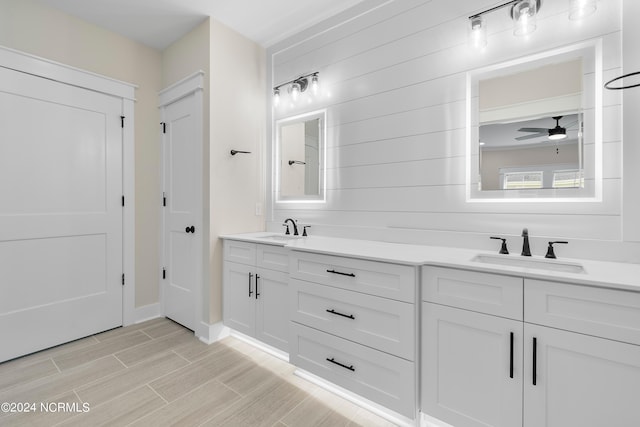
point(534, 127)
point(299, 157)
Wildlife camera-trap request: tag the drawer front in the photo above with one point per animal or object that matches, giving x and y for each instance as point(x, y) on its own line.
point(272, 257)
point(606, 313)
point(376, 278)
point(482, 292)
point(383, 324)
point(377, 376)
point(241, 252)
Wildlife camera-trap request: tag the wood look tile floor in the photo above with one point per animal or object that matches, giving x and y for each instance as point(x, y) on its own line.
point(157, 374)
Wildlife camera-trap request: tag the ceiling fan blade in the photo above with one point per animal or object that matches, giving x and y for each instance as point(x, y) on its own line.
point(539, 130)
point(537, 135)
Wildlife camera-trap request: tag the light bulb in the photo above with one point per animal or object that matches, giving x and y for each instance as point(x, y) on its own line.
point(314, 84)
point(276, 97)
point(579, 9)
point(295, 91)
point(524, 16)
point(477, 33)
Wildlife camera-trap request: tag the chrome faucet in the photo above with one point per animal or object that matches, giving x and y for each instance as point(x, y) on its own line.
point(525, 243)
point(295, 227)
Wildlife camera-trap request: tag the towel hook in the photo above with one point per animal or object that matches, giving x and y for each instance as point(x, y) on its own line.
point(234, 152)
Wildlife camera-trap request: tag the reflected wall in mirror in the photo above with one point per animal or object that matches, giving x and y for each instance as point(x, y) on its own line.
point(534, 127)
point(299, 157)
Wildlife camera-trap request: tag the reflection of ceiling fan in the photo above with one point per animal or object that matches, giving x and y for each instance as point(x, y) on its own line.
point(555, 133)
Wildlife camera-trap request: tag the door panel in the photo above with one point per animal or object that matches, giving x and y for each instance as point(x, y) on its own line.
point(180, 245)
point(466, 378)
point(272, 317)
point(239, 297)
point(61, 213)
point(581, 380)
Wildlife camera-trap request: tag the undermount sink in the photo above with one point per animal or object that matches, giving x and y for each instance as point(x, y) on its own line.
point(526, 262)
point(279, 237)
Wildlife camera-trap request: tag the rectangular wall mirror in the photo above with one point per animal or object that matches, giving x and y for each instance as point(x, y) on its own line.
point(299, 157)
point(534, 127)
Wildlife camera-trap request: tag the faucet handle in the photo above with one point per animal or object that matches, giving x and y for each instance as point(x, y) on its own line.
point(550, 252)
point(304, 230)
point(286, 225)
point(503, 248)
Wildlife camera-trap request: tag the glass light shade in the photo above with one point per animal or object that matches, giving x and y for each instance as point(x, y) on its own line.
point(276, 97)
point(295, 91)
point(477, 33)
point(524, 17)
point(579, 9)
point(314, 85)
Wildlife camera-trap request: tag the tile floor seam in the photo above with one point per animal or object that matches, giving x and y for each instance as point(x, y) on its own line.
point(153, 390)
point(55, 364)
point(180, 356)
point(142, 331)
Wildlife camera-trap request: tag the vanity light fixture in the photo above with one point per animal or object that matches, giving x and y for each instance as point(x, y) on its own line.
point(523, 13)
point(296, 87)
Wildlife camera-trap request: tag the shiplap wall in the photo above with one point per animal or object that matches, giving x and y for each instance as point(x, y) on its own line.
point(393, 84)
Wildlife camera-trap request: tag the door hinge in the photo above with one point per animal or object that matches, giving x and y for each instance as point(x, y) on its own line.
point(164, 273)
point(121, 121)
point(164, 127)
point(164, 199)
point(122, 200)
point(122, 279)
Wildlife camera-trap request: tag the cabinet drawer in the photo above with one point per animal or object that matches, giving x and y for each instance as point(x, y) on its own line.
point(272, 257)
point(377, 278)
point(482, 292)
point(241, 252)
point(377, 376)
point(607, 313)
point(383, 324)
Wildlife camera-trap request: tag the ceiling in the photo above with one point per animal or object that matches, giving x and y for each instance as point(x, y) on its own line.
point(158, 23)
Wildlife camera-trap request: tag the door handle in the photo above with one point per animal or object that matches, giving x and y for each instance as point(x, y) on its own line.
point(257, 293)
point(511, 357)
point(250, 277)
point(191, 229)
point(535, 359)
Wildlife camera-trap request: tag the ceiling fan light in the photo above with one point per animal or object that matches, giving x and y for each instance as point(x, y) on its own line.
point(557, 134)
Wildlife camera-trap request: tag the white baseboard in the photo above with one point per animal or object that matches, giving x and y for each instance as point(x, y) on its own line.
point(262, 346)
point(147, 312)
point(209, 334)
point(370, 406)
point(427, 421)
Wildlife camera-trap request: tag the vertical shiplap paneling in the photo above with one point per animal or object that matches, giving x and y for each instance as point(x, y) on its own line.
point(393, 85)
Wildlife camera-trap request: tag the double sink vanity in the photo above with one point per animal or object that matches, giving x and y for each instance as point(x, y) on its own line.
point(445, 336)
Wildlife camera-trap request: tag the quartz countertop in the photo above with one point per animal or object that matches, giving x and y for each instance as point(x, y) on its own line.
point(617, 275)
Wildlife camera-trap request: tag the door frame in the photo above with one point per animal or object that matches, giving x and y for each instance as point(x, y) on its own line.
point(45, 68)
point(190, 85)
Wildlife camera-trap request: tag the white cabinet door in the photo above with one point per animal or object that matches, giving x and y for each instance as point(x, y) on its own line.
point(471, 367)
point(580, 380)
point(272, 315)
point(239, 311)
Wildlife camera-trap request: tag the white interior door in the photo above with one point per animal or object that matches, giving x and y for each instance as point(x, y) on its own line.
point(181, 230)
point(60, 213)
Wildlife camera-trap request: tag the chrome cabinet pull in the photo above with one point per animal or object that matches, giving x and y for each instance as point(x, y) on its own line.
point(341, 273)
point(332, 360)
point(348, 316)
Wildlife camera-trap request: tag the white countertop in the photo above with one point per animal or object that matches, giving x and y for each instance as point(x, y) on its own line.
point(596, 273)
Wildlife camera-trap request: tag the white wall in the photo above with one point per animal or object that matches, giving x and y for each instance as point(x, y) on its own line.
point(394, 86)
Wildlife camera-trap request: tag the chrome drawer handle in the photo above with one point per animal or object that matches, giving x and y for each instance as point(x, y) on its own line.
point(340, 273)
point(348, 316)
point(332, 360)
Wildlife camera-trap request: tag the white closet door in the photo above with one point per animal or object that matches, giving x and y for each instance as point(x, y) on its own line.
point(180, 243)
point(60, 213)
